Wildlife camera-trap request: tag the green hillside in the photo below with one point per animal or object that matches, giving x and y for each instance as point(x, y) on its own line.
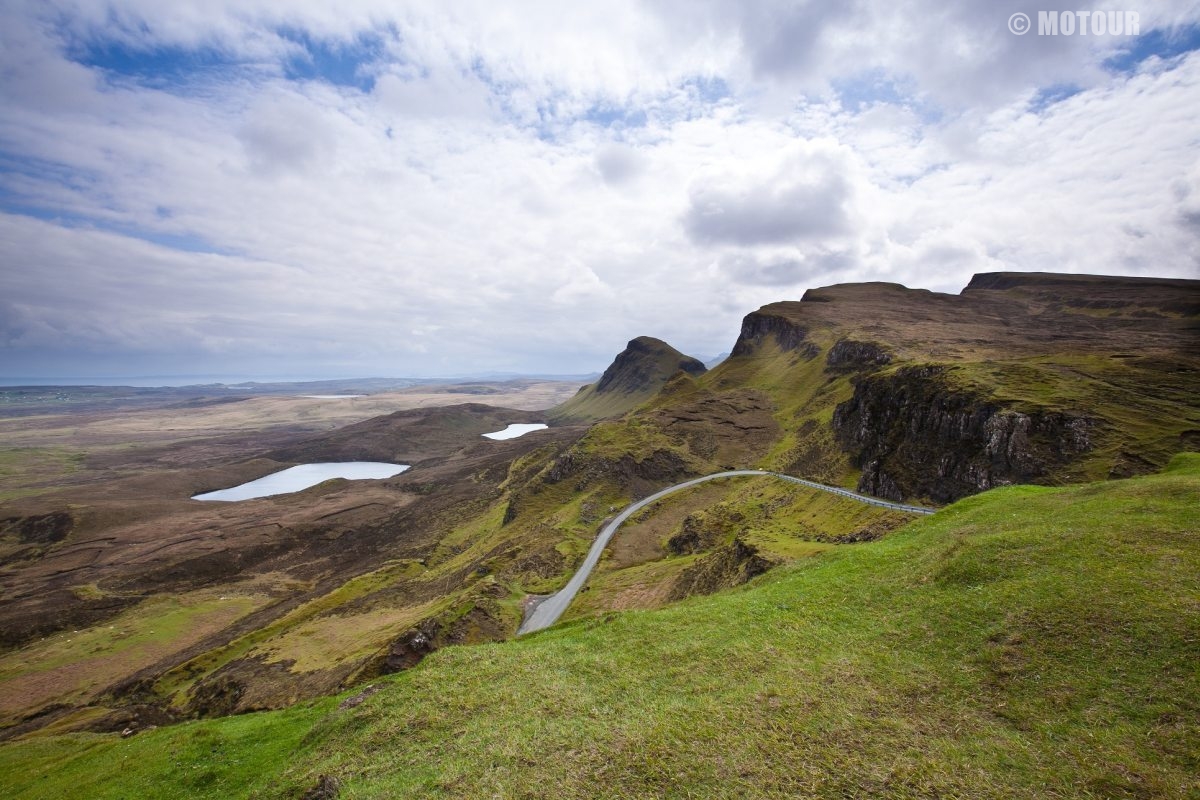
point(1025, 642)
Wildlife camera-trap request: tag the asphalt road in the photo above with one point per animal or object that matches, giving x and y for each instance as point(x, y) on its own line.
point(546, 612)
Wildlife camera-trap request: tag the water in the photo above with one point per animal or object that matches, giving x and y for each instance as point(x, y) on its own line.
point(516, 429)
point(294, 479)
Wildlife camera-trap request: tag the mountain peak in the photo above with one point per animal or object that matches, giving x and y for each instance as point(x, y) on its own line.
point(635, 375)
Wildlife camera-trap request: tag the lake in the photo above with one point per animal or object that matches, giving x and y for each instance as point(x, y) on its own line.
point(294, 479)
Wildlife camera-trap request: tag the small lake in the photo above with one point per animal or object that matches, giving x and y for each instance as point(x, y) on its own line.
point(294, 479)
point(331, 396)
point(516, 429)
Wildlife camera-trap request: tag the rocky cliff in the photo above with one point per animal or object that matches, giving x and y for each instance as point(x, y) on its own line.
point(637, 374)
point(914, 435)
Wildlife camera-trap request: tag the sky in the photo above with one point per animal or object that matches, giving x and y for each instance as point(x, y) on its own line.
point(258, 188)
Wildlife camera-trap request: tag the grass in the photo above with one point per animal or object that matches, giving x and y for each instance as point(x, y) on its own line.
point(1028, 642)
point(76, 665)
point(783, 520)
point(326, 642)
point(28, 471)
point(279, 638)
point(231, 757)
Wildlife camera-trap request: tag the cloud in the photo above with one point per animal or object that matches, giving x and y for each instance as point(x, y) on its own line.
point(805, 198)
point(618, 163)
point(786, 270)
point(286, 133)
point(529, 189)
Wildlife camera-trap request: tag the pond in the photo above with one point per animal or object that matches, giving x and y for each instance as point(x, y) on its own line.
point(294, 479)
point(516, 429)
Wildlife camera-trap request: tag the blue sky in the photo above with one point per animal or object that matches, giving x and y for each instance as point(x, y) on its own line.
point(264, 188)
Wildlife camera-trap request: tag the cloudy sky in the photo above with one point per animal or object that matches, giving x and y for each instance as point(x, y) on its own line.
point(311, 188)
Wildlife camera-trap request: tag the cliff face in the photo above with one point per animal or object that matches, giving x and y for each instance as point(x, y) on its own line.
point(761, 326)
point(637, 373)
point(914, 436)
point(646, 363)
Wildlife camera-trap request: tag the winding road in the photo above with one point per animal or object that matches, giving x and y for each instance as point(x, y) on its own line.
point(546, 612)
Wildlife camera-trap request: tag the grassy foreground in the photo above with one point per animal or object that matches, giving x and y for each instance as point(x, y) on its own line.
point(1028, 642)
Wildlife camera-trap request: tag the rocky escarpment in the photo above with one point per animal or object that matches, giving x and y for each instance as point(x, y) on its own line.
point(635, 375)
point(640, 476)
point(761, 327)
point(646, 363)
point(847, 355)
point(913, 435)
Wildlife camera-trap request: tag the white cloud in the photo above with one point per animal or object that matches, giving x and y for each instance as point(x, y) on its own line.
point(530, 190)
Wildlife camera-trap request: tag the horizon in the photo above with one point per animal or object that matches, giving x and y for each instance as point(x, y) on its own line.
point(244, 188)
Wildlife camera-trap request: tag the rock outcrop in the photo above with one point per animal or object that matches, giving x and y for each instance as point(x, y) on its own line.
point(847, 355)
point(761, 326)
point(726, 567)
point(644, 363)
point(638, 373)
point(913, 435)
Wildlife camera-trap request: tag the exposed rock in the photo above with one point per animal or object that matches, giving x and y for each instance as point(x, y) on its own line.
point(562, 468)
point(638, 373)
point(732, 565)
point(216, 697)
point(847, 355)
point(414, 645)
point(661, 466)
point(638, 366)
point(133, 719)
point(326, 788)
point(695, 536)
point(758, 327)
point(915, 436)
point(481, 621)
point(357, 700)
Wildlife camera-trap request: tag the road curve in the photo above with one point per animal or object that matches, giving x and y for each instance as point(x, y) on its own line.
point(547, 612)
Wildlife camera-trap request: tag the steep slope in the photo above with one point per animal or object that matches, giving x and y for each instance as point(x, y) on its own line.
point(635, 375)
point(1028, 642)
point(912, 394)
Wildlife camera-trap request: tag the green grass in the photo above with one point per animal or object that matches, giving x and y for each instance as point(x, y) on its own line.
point(75, 665)
point(226, 758)
point(28, 471)
point(1027, 642)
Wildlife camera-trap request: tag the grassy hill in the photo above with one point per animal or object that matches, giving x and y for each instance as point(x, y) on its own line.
point(1025, 642)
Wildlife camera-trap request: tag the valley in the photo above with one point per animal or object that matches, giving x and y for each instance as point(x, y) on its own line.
point(1027, 409)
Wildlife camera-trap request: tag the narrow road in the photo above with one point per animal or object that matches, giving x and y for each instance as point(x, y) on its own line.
point(547, 611)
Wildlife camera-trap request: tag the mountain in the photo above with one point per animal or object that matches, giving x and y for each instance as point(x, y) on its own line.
point(913, 394)
point(902, 393)
point(635, 375)
point(717, 359)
